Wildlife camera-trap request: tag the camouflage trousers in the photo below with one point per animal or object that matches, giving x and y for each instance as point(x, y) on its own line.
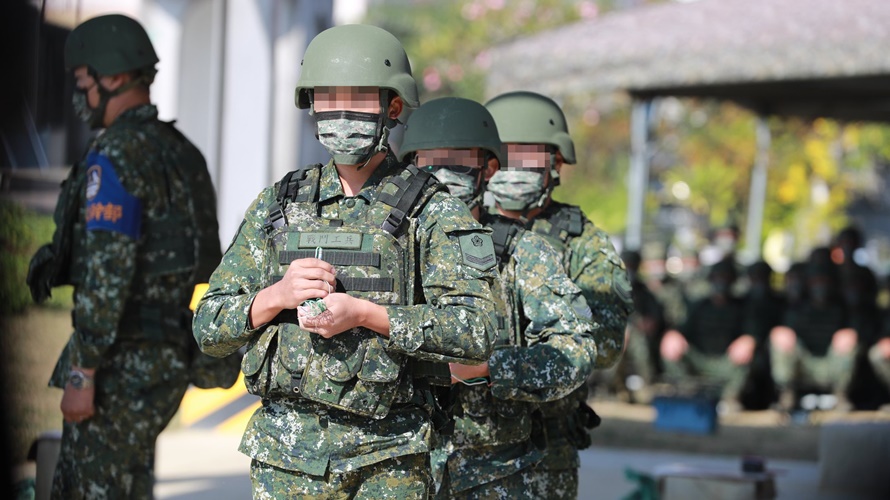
point(560, 484)
point(710, 370)
point(112, 454)
point(638, 359)
point(405, 477)
point(530, 482)
point(801, 369)
point(880, 365)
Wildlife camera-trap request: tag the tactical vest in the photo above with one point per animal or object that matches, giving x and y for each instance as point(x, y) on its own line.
point(482, 419)
point(566, 223)
point(374, 260)
point(569, 417)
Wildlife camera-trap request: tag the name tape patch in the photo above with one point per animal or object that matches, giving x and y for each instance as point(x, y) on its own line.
point(330, 240)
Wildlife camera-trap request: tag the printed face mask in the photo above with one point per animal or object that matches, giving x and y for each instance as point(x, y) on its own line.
point(92, 116)
point(460, 185)
point(349, 137)
point(517, 189)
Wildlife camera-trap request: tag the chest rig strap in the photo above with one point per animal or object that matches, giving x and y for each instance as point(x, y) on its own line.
point(404, 200)
point(504, 233)
point(288, 190)
point(568, 219)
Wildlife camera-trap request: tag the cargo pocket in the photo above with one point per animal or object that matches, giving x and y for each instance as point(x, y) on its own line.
point(293, 357)
point(257, 362)
point(356, 374)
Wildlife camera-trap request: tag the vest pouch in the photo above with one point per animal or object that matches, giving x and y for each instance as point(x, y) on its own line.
point(168, 246)
point(489, 421)
point(293, 357)
point(256, 365)
point(352, 372)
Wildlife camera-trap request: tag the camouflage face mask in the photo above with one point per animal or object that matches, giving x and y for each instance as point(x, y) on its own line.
point(92, 116)
point(517, 189)
point(350, 137)
point(461, 186)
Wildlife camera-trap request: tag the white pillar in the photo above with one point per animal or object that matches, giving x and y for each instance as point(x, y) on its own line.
point(293, 130)
point(757, 196)
point(246, 100)
point(638, 177)
point(163, 22)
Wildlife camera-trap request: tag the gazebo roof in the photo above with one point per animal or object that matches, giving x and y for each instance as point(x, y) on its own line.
point(794, 57)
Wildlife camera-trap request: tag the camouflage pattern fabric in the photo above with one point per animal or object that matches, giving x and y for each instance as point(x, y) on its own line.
point(801, 369)
point(593, 264)
point(554, 485)
point(142, 360)
point(711, 372)
point(880, 365)
point(405, 477)
point(525, 483)
point(453, 322)
point(491, 439)
point(112, 454)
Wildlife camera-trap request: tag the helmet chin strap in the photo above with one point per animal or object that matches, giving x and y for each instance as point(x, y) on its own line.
point(383, 125)
point(105, 95)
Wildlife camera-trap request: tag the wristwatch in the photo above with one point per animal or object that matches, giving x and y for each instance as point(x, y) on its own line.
point(80, 380)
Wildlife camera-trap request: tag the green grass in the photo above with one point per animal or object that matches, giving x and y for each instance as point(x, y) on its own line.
point(31, 337)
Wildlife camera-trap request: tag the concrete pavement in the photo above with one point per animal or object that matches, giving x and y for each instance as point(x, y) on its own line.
point(199, 464)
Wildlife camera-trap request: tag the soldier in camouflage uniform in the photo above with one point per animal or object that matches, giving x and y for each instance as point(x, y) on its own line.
point(545, 347)
point(711, 350)
point(814, 347)
point(535, 133)
point(136, 229)
point(345, 281)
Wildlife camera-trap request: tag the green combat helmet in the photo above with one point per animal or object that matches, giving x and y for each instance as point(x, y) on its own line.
point(529, 118)
point(452, 123)
point(110, 45)
point(356, 55)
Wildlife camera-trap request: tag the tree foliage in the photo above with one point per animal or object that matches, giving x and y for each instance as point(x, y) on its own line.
point(815, 167)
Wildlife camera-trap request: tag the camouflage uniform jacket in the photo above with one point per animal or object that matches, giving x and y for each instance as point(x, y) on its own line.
point(147, 207)
point(552, 354)
point(593, 264)
point(452, 322)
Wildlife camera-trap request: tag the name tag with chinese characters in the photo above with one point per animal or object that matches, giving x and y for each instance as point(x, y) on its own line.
point(350, 241)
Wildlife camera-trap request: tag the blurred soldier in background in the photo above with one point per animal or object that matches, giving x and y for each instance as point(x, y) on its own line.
point(638, 369)
point(879, 353)
point(545, 347)
point(535, 133)
point(711, 349)
point(814, 348)
point(763, 309)
point(136, 230)
point(349, 283)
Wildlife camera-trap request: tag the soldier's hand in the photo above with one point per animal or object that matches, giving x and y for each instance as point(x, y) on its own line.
point(783, 339)
point(39, 278)
point(673, 345)
point(741, 350)
point(460, 373)
point(883, 347)
point(844, 341)
point(343, 313)
point(77, 404)
point(305, 279)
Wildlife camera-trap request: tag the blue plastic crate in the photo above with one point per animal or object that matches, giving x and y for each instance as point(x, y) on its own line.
point(696, 415)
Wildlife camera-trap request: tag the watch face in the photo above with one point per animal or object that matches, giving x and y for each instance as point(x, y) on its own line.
point(78, 380)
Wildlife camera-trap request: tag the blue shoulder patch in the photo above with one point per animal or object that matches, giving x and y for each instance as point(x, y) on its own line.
point(109, 206)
